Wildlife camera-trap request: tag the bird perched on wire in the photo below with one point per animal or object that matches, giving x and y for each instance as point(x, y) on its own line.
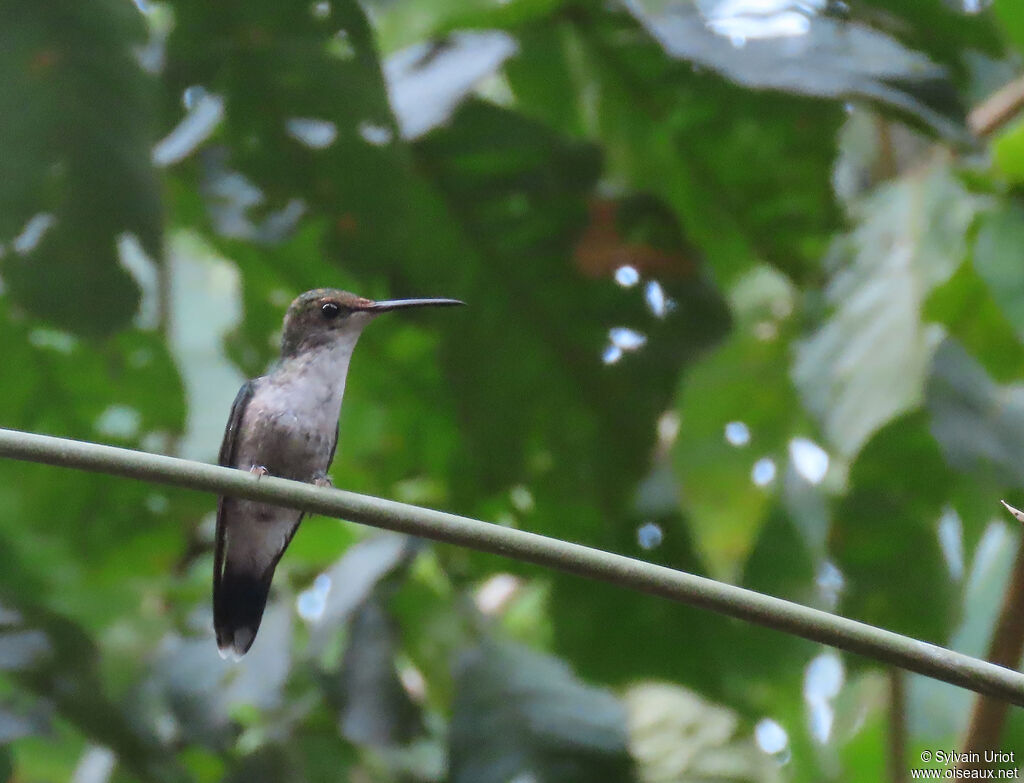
point(284, 424)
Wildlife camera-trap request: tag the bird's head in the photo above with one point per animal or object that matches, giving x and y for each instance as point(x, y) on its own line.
point(324, 315)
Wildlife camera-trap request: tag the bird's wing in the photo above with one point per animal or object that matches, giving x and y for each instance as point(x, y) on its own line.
point(227, 446)
point(334, 448)
point(226, 458)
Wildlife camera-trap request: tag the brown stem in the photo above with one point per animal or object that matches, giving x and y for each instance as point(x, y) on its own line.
point(1005, 649)
point(997, 109)
point(885, 166)
point(897, 739)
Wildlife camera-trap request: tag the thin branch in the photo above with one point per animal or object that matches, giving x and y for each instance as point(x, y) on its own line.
point(860, 638)
point(998, 109)
point(1006, 648)
point(896, 742)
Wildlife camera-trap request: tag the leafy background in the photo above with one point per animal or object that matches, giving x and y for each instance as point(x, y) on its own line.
point(745, 299)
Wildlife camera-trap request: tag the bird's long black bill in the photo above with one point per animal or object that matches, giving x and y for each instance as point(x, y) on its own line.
point(399, 304)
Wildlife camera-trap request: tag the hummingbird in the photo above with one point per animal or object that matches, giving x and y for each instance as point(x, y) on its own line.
point(284, 424)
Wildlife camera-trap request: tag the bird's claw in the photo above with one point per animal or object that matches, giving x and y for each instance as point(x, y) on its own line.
point(259, 471)
point(323, 480)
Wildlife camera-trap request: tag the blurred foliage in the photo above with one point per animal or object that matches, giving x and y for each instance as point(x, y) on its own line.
point(745, 299)
point(80, 113)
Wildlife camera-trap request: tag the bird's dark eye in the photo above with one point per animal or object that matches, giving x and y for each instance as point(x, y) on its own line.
point(331, 310)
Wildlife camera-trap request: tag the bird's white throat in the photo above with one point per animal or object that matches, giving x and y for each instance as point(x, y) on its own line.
point(314, 380)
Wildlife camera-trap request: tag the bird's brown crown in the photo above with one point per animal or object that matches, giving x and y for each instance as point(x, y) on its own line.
point(314, 317)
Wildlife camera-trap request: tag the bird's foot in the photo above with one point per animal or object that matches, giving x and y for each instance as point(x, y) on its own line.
point(323, 480)
point(259, 471)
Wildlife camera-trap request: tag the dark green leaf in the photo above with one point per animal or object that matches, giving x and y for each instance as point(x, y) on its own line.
point(979, 425)
point(58, 662)
point(967, 308)
point(376, 709)
point(884, 533)
point(828, 57)
point(269, 764)
point(76, 106)
point(520, 713)
point(997, 254)
point(747, 173)
point(22, 720)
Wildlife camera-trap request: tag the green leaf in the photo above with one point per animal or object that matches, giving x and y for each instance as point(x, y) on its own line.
point(677, 735)
point(520, 713)
point(997, 248)
point(979, 425)
point(77, 108)
point(1011, 20)
point(744, 385)
point(400, 24)
point(376, 709)
point(538, 395)
point(271, 763)
point(770, 666)
point(944, 31)
point(55, 660)
point(747, 173)
point(967, 308)
point(20, 720)
point(426, 82)
point(835, 59)
point(273, 64)
point(593, 623)
point(884, 533)
point(86, 545)
point(1008, 152)
point(866, 364)
point(780, 542)
point(543, 79)
point(354, 577)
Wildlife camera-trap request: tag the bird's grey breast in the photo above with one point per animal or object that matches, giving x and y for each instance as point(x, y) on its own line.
point(291, 421)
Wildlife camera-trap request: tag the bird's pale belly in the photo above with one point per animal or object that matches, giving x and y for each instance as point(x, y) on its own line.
point(287, 445)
